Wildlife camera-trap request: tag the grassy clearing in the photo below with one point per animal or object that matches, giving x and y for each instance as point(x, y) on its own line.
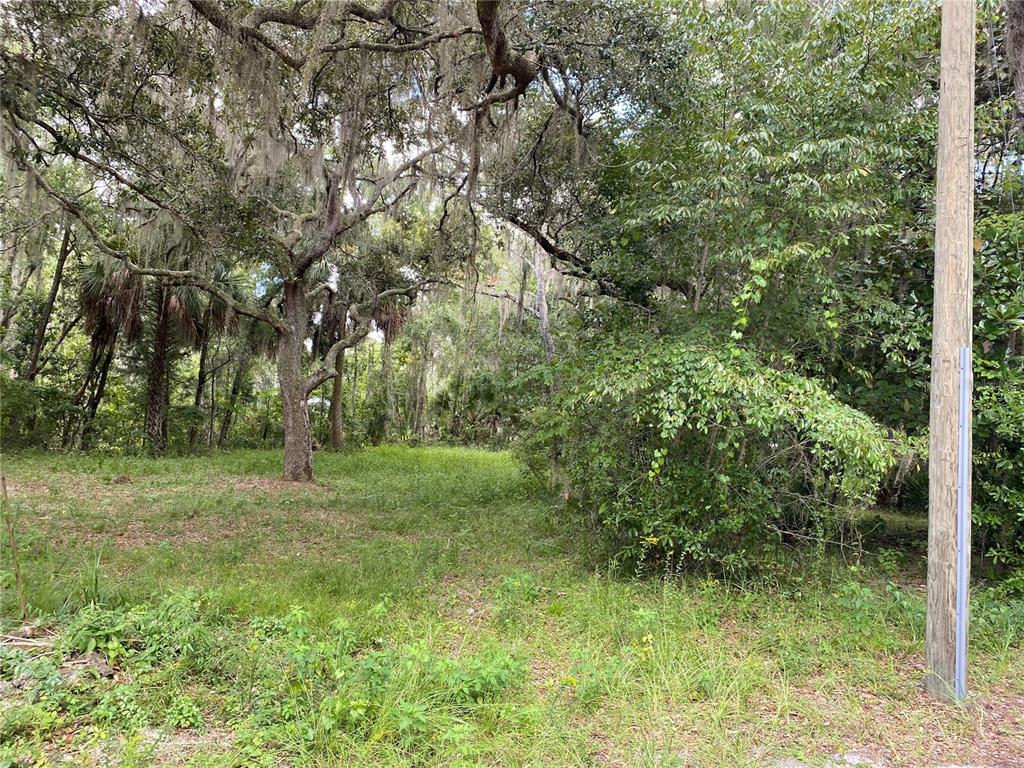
point(432, 607)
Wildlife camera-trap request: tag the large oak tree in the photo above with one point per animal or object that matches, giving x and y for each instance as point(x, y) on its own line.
point(241, 148)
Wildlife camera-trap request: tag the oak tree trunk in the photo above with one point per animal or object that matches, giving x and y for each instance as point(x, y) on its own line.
point(298, 448)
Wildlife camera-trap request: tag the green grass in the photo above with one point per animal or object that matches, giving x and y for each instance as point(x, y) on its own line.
point(434, 606)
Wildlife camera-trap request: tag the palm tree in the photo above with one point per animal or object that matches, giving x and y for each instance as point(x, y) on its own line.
point(173, 315)
point(111, 304)
point(216, 318)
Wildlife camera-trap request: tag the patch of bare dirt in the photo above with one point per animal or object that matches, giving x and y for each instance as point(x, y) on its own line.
point(161, 748)
point(544, 675)
point(993, 737)
point(73, 486)
point(603, 750)
point(136, 535)
point(314, 531)
point(130, 524)
point(178, 747)
point(910, 732)
point(464, 603)
point(86, 487)
point(265, 484)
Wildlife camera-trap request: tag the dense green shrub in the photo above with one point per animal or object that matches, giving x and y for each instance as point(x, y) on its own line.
point(998, 509)
point(689, 453)
point(33, 414)
point(999, 395)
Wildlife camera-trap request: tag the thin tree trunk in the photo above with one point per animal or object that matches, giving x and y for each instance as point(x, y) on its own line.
point(542, 305)
point(32, 362)
point(167, 403)
point(156, 389)
point(204, 353)
point(96, 398)
point(96, 349)
point(420, 421)
point(524, 272)
point(337, 417)
point(1015, 50)
point(355, 382)
point(213, 407)
point(236, 388)
point(389, 394)
point(369, 374)
point(461, 399)
point(68, 326)
point(13, 304)
point(9, 264)
point(557, 475)
point(298, 448)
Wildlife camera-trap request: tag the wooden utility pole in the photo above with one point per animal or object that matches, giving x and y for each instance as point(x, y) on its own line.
point(949, 446)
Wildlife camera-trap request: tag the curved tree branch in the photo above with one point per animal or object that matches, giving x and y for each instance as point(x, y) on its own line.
point(176, 276)
point(416, 45)
point(361, 317)
point(505, 62)
point(249, 29)
point(338, 221)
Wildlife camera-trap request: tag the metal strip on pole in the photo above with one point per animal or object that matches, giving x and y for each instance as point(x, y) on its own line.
point(963, 523)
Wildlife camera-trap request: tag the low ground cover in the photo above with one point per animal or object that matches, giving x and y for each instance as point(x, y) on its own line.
point(435, 606)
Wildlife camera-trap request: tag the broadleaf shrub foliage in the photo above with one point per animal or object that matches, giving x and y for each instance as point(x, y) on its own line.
point(691, 454)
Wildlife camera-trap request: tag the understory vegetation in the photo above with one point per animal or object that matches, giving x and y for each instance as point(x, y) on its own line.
point(398, 613)
point(692, 455)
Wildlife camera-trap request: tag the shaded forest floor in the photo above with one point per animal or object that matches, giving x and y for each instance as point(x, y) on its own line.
point(432, 606)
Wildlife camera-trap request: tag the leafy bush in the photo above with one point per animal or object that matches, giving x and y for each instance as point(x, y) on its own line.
point(184, 713)
point(999, 394)
point(998, 510)
point(694, 454)
point(146, 634)
point(33, 414)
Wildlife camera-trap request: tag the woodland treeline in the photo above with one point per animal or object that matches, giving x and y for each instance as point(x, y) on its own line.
point(676, 253)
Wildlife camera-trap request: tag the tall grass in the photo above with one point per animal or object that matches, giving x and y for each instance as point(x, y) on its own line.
point(435, 607)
